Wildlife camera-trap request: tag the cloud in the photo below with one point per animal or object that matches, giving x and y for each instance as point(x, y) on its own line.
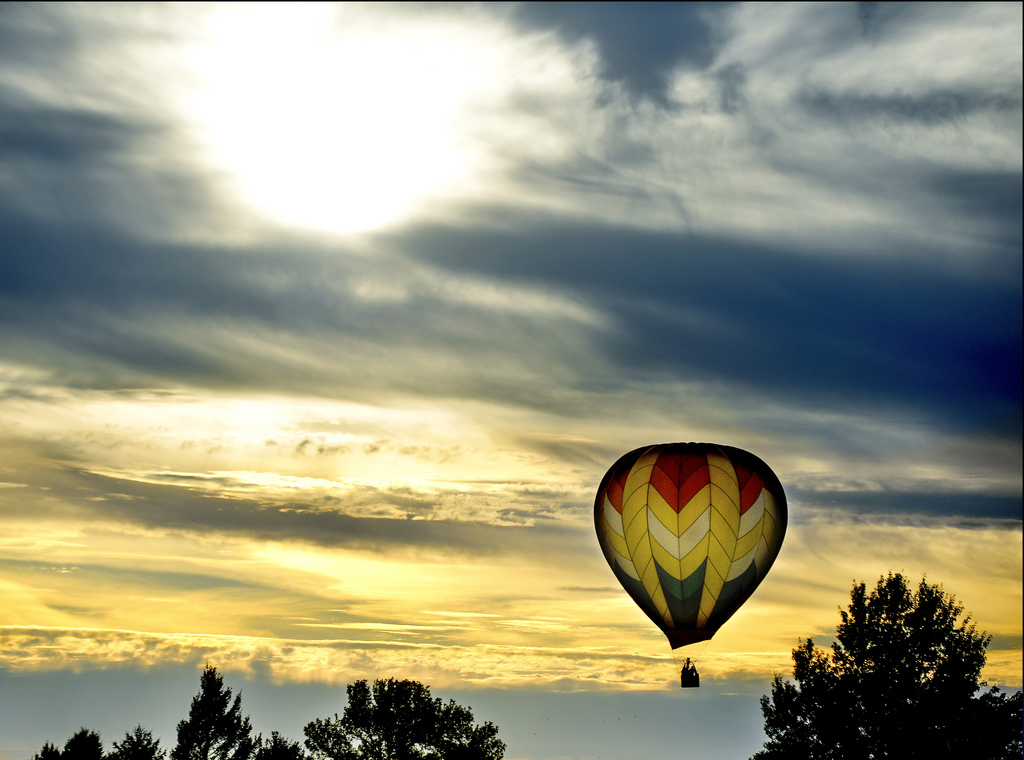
point(77, 144)
point(298, 315)
point(938, 504)
point(336, 661)
point(326, 619)
point(640, 46)
point(930, 108)
point(60, 137)
point(833, 330)
point(483, 521)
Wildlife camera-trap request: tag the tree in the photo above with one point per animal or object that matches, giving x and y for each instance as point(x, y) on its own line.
point(900, 681)
point(137, 745)
point(399, 720)
point(215, 728)
point(456, 737)
point(48, 752)
point(83, 745)
point(279, 748)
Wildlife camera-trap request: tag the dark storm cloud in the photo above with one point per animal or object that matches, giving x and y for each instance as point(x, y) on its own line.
point(824, 330)
point(101, 269)
point(31, 127)
point(928, 108)
point(829, 331)
point(59, 161)
point(996, 197)
point(92, 304)
point(965, 507)
point(63, 164)
point(31, 38)
point(640, 44)
point(867, 14)
point(59, 137)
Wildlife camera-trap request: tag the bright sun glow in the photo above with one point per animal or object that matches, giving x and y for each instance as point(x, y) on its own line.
point(332, 119)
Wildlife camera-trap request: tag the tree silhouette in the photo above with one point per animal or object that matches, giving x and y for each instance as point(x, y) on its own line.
point(399, 720)
point(215, 728)
point(900, 681)
point(83, 745)
point(279, 748)
point(48, 752)
point(456, 737)
point(137, 745)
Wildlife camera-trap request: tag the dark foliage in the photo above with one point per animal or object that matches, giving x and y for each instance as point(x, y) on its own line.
point(48, 752)
point(396, 720)
point(901, 681)
point(215, 728)
point(83, 745)
point(399, 720)
point(137, 744)
point(279, 748)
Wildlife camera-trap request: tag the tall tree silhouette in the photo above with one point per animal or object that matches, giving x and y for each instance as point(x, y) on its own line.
point(83, 745)
point(215, 728)
point(137, 744)
point(900, 681)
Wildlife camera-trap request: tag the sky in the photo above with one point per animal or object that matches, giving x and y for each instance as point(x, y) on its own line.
point(319, 326)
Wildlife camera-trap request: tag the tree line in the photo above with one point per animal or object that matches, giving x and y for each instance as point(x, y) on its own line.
point(902, 680)
point(392, 720)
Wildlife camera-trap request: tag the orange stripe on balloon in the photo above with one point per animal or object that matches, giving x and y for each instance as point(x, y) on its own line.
point(689, 464)
point(750, 487)
point(662, 482)
point(615, 488)
point(693, 478)
point(670, 463)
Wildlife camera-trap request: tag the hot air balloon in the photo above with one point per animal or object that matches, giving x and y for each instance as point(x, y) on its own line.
point(690, 530)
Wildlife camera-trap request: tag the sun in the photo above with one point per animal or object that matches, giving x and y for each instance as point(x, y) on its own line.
point(337, 119)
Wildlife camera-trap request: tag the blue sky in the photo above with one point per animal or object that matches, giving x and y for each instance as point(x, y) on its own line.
point(319, 326)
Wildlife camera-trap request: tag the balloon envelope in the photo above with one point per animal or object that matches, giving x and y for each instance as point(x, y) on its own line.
point(690, 530)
